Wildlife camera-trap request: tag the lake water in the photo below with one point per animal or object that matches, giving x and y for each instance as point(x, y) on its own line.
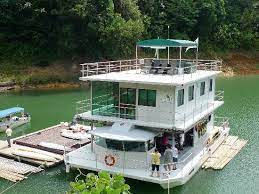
point(241, 175)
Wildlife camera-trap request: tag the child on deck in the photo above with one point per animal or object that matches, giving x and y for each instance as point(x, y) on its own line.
point(155, 162)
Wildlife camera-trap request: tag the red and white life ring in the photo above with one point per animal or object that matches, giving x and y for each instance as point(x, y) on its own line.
point(109, 160)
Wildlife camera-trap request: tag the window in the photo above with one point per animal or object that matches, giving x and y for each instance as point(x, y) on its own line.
point(134, 146)
point(147, 97)
point(120, 145)
point(191, 92)
point(211, 85)
point(127, 103)
point(180, 98)
point(202, 89)
point(105, 98)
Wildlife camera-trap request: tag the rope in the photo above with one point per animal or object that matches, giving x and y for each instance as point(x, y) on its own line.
point(80, 173)
point(18, 182)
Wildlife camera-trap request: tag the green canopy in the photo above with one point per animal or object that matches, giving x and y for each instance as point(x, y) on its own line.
point(160, 43)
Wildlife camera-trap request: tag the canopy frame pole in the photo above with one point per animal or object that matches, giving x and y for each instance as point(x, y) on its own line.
point(180, 55)
point(168, 55)
point(136, 57)
point(197, 52)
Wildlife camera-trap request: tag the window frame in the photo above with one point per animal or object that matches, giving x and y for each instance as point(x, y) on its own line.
point(148, 100)
point(179, 99)
point(211, 85)
point(202, 89)
point(192, 94)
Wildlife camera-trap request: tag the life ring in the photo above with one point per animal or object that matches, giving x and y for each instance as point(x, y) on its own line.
point(109, 160)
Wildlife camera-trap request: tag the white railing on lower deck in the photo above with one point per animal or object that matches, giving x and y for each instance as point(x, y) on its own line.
point(123, 163)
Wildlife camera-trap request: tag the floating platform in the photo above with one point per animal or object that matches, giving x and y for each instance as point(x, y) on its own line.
point(52, 136)
point(219, 158)
point(16, 171)
point(42, 148)
point(13, 152)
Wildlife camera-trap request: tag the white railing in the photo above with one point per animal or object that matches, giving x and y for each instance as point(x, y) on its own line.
point(221, 121)
point(129, 111)
point(219, 95)
point(182, 118)
point(105, 67)
point(123, 162)
point(144, 66)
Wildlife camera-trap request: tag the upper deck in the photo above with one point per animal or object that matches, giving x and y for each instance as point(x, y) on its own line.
point(151, 71)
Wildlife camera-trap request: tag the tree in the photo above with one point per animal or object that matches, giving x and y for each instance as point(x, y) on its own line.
point(103, 183)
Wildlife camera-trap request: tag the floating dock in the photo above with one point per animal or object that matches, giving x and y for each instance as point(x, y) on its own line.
point(51, 135)
point(30, 149)
point(224, 153)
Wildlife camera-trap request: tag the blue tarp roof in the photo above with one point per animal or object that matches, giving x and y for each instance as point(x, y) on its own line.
point(166, 43)
point(5, 113)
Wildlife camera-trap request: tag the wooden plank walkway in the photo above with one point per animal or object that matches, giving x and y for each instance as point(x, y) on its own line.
point(224, 153)
point(16, 171)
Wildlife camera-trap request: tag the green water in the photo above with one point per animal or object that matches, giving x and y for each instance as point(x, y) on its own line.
point(240, 176)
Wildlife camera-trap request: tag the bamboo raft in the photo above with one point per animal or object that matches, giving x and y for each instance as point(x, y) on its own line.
point(224, 153)
point(16, 171)
point(9, 152)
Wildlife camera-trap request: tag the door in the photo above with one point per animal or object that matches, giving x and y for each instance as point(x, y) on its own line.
point(128, 103)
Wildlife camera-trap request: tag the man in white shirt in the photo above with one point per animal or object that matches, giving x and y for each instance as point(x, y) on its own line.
point(8, 133)
point(175, 157)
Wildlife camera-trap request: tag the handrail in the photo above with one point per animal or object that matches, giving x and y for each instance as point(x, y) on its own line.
point(104, 67)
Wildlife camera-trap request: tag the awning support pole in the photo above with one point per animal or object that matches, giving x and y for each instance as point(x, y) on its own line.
point(136, 57)
point(180, 54)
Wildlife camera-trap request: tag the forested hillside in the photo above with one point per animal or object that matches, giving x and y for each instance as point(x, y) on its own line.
point(38, 32)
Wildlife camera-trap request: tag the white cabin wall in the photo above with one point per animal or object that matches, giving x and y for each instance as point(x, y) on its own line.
point(164, 110)
point(198, 103)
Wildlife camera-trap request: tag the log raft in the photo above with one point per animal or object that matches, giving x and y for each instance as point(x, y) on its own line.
point(224, 153)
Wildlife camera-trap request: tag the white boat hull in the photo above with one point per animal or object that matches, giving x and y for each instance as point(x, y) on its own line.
point(177, 178)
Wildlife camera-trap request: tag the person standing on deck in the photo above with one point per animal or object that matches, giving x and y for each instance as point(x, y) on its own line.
point(175, 157)
point(155, 162)
point(8, 133)
point(168, 158)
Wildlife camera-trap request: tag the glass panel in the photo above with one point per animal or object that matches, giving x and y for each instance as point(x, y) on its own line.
point(114, 144)
point(211, 85)
point(105, 98)
point(134, 146)
point(191, 93)
point(147, 97)
point(180, 97)
point(202, 89)
point(127, 103)
point(142, 97)
point(151, 98)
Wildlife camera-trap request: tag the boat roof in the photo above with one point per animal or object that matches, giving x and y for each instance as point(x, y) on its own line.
point(132, 76)
point(10, 111)
point(160, 43)
point(124, 132)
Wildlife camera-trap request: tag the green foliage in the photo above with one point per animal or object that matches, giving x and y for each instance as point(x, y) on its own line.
point(37, 32)
point(103, 183)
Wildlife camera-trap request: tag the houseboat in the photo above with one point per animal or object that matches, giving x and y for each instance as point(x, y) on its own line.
point(142, 102)
point(13, 117)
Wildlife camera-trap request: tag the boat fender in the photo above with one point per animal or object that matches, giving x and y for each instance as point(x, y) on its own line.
point(109, 160)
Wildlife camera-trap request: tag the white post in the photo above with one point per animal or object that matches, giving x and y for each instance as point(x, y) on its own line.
point(168, 55)
point(197, 51)
point(136, 57)
point(180, 55)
